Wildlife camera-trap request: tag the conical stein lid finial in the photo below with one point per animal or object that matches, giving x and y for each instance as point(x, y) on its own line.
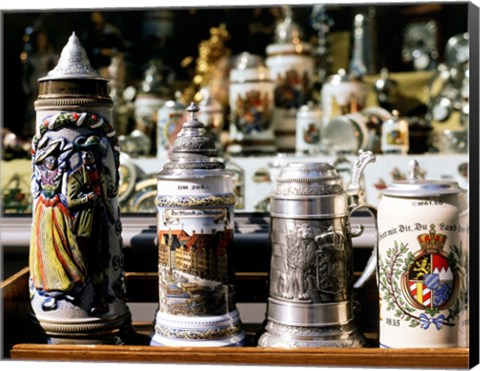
point(73, 63)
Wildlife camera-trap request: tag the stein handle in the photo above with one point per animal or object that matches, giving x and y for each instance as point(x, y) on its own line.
point(371, 265)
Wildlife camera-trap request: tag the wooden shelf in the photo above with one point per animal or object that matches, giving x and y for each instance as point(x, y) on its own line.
point(431, 358)
point(16, 325)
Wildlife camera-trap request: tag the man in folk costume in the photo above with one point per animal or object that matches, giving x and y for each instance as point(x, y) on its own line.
point(89, 191)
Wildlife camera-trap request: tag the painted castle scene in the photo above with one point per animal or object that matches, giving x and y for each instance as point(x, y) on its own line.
point(194, 270)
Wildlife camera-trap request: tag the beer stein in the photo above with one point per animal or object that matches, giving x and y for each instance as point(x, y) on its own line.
point(342, 94)
point(170, 117)
point(311, 276)
point(195, 226)
point(251, 104)
point(421, 262)
point(308, 129)
point(77, 282)
point(291, 67)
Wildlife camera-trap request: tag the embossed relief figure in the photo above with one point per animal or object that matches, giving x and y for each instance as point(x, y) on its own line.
point(315, 264)
point(56, 263)
point(333, 258)
point(301, 250)
point(74, 217)
point(89, 190)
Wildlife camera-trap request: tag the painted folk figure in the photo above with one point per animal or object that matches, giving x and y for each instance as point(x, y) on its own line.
point(73, 187)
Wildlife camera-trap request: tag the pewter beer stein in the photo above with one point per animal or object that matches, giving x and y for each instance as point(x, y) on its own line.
point(195, 226)
point(311, 275)
point(77, 282)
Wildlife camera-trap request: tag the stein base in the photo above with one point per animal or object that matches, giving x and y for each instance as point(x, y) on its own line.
point(204, 331)
point(284, 336)
point(111, 332)
point(238, 340)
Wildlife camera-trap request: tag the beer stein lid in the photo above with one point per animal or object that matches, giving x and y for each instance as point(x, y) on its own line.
point(73, 63)
point(249, 67)
point(73, 81)
point(308, 179)
point(339, 77)
point(156, 79)
point(246, 60)
point(416, 187)
point(193, 151)
point(288, 31)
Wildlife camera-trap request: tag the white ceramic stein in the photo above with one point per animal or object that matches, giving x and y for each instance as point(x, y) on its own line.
point(421, 262)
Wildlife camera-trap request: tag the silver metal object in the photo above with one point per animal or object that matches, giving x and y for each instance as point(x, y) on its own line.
point(419, 45)
point(311, 277)
point(73, 63)
point(362, 61)
point(195, 229)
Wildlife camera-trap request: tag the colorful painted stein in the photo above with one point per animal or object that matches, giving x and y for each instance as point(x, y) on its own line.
point(77, 282)
point(170, 117)
point(342, 94)
point(395, 135)
point(195, 226)
point(309, 128)
point(311, 276)
point(291, 66)
point(251, 106)
point(421, 262)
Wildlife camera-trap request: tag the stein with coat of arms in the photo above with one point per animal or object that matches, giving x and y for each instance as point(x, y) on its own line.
point(421, 262)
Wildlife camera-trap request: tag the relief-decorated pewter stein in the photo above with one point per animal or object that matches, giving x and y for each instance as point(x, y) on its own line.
point(421, 262)
point(77, 282)
point(195, 226)
point(311, 276)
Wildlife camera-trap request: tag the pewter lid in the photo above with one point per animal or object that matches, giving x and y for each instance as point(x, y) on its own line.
point(157, 79)
point(194, 148)
point(287, 31)
point(308, 172)
point(174, 105)
point(416, 187)
point(73, 63)
point(245, 60)
point(394, 119)
point(340, 76)
point(307, 179)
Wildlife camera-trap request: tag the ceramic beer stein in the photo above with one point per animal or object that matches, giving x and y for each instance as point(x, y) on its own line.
point(342, 94)
point(421, 262)
point(195, 226)
point(308, 127)
point(311, 275)
point(170, 117)
point(77, 283)
point(291, 66)
point(251, 106)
